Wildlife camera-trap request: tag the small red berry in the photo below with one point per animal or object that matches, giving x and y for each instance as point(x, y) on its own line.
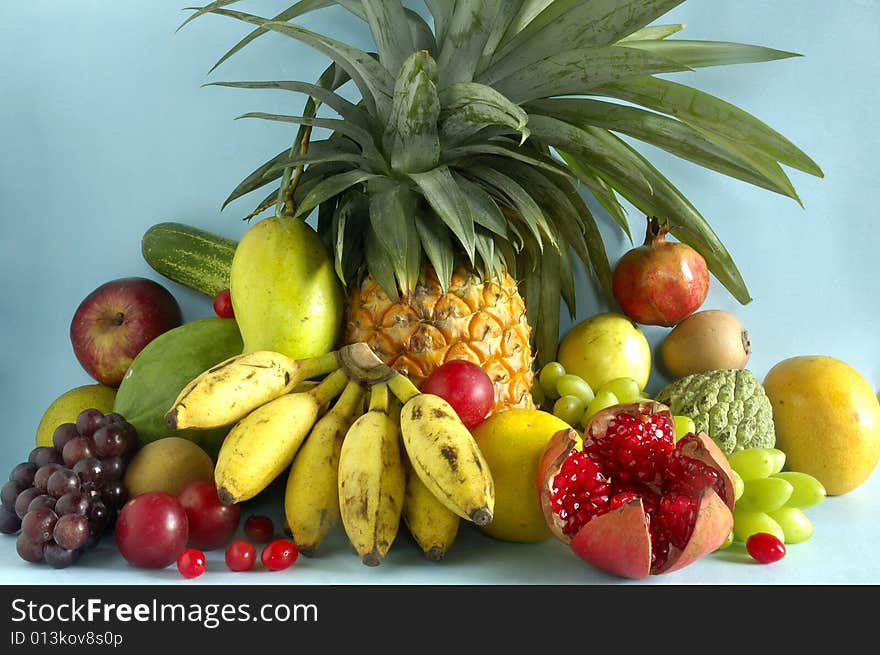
point(240, 555)
point(765, 548)
point(279, 554)
point(191, 562)
point(259, 529)
point(223, 304)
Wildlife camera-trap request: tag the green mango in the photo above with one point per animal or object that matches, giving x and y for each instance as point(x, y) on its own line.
point(285, 292)
point(160, 371)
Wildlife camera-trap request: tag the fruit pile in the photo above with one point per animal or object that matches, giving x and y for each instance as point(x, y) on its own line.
point(64, 497)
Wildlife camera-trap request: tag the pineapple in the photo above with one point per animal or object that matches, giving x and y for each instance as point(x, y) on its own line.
point(457, 179)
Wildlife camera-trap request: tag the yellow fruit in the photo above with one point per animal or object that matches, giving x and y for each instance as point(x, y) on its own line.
point(827, 420)
point(512, 442)
point(66, 407)
point(167, 464)
point(604, 347)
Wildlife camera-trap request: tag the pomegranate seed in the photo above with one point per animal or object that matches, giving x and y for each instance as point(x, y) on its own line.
point(191, 562)
point(765, 547)
point(240, 555)
point(279, 554)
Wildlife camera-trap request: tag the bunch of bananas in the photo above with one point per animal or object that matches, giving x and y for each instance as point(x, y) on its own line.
point(362, 444)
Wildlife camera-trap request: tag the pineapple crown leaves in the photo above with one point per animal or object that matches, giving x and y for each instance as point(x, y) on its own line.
point(481, 124)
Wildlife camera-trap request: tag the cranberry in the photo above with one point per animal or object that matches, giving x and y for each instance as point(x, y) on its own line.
point(191, 562)
point(259, 529)
point(240, 555)
point(765, 547)
point(223, 304)
point(279, 554)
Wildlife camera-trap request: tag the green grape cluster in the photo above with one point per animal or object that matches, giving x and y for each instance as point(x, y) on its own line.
point(571, 398)
point(769, 499)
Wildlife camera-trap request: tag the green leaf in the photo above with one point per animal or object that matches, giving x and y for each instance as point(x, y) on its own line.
point(337, 103)
point(410, 137)
point(258, 178)
point(469, 106)
point(566, 282)
point(699, 54)
point(469, 28)
point(467, 152)
point(448, 201)
point(527, 12)
point(542, 295)
point(330, 187)
point(441, 12)
point(379, 264)
point(600, 190)
point(507, 12)
point(574, 24)
point(436, 241)
point(712, 114)
point(391, 32)
point(359, 135)
point(526, 206)
point(348, 233)
point(653, 33)
point(421, 33)
point(392, 217)
point(673, 136)
point(578, 71)
point(324, 151)
point(483, 208)
point(373, 81)
point(486, 250)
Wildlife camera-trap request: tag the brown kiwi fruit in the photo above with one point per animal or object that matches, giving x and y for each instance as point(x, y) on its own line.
point(706, 341)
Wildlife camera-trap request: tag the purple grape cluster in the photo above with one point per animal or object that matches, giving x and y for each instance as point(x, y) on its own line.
point(64, 497)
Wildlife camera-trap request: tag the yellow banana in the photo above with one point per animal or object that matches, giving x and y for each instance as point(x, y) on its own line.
point(433, 525)
point(232, 389)
point(262, 444)
point(372, 480)
point(311, 497)
point(444, 454)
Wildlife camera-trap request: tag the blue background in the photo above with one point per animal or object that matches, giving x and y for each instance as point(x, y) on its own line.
point(105, 130)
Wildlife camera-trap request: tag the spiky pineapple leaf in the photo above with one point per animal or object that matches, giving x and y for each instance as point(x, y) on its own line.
point(578, 71)
point(436, 241)
point(483, 208)
point(653, 33)
point(347, 110)
point(391, 32)
point(379, 263)
point(411, 139)
point(325, 151)
point(542, 295)
point(566, 282)
point(331, 186)
point(373, 81)
point(469, 106)
point(701, 54)
point(421, 33)
point(673, 136)
point(706, 111)
point(392, 217)
point(485, 247)
point(525, 205)
point(347, 233)
point(507, 13)
point(573, 24)
point(258, 178)
point(446, 198)
point(470, 26)
point(357, 134)
point(441, 12)
point(600, 191)
point(466, 152)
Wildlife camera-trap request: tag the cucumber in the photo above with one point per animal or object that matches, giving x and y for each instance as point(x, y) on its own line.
point(189, 255)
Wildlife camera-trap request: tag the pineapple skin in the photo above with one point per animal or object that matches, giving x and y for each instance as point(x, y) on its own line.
point(479, 320)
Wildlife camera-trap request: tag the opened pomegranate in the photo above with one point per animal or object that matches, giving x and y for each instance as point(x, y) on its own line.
point(660, 282)
point(633, 501)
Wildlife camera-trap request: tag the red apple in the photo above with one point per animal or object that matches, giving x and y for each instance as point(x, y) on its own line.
point(116, 320)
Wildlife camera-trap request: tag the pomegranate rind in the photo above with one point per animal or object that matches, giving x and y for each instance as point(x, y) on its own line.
point(617, 542)
point(701, 447)
point(711, 528)
point(557, 449)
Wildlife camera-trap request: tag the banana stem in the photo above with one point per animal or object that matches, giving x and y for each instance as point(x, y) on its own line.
point(349, 400)
point(311, 367)
point(402, 387)
point(329, 387)
point(379, 397)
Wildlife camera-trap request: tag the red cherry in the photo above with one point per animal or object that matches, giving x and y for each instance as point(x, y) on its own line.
point(279, 554)
point(240, 555)
point(191, 562)
point(465, 386)
point(765, 548)
point(223, 304)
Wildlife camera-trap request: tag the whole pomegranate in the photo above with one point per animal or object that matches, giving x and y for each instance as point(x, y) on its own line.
point(633, 501)
point(660, 282)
